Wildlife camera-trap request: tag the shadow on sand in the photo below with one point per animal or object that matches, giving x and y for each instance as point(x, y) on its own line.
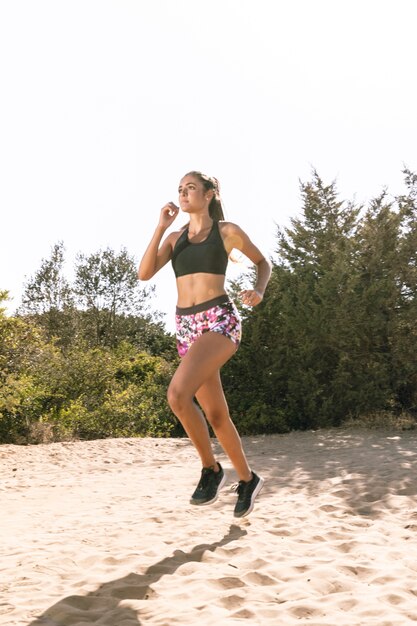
point(371, 466)
point(102, 605)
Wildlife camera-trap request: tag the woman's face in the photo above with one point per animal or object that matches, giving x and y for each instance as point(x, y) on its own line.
point(192, 195)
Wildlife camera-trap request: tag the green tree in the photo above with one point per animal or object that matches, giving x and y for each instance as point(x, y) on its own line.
point(22, 347)
point(105, 305)
point(374, 303)
point(318, 252)
point(404, 332)
point(48, 297)
point(107, 290)
point(335, 335)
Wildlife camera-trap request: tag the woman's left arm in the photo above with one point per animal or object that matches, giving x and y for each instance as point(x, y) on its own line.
point(235, 237)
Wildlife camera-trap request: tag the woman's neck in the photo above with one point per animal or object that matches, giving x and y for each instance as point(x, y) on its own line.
point(198, 223)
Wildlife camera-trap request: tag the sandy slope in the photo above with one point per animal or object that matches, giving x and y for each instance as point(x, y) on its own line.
point(102, 533)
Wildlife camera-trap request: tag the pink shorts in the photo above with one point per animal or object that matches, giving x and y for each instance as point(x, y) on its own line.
point(218, 315)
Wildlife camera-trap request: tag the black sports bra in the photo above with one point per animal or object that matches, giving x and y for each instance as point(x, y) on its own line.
point(208, 256)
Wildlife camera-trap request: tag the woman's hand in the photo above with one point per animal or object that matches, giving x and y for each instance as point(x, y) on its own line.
point(168, 214)
point(251, 297)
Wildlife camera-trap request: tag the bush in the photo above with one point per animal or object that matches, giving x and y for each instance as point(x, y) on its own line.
point(261, 418)
point(49, 393)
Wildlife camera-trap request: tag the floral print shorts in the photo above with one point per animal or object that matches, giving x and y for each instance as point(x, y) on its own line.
point(219, 315)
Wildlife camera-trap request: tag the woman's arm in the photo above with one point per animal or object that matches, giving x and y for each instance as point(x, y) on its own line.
point(156, 255)
point(235, 237)
point(263, 270)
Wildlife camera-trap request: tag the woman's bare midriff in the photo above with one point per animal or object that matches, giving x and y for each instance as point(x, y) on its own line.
point(196, 288)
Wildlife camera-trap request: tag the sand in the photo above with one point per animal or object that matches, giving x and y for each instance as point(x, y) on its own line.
point(101, 532)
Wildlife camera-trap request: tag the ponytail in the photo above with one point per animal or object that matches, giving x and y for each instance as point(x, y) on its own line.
point(216, 206)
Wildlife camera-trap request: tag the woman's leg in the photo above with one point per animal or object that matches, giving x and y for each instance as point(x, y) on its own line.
point(202, 361)
point(213, 402)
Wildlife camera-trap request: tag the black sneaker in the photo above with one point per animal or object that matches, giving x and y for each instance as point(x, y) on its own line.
point(246, 494)
point(209, 486)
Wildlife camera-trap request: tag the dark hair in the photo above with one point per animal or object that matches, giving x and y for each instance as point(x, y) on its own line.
point(216, 206)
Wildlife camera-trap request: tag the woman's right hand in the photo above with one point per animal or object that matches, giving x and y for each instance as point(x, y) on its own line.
point(168, 214)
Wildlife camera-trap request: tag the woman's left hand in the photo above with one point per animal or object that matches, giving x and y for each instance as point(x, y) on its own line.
point(251, 297)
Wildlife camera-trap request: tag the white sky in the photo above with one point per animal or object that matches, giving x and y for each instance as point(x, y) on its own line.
point(104, 105)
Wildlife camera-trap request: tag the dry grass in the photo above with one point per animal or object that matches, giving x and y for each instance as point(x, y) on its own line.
point(383, 420)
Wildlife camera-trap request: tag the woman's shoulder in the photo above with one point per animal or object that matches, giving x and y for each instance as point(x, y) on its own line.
point(229, 228)
point(233, 236)
point(173, 236)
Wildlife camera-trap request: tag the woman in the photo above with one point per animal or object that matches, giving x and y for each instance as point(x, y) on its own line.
point(208, 327)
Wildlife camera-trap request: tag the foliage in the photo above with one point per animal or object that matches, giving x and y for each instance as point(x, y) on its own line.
point(106, 288)
point(48, 289)
point(334, 340)
point(48, 297)
point(104, 306)
point(80, 392)
point(125, 398)
point(335, 337)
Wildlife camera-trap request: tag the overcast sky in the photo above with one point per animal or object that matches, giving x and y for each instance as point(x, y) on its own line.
point(105, 105)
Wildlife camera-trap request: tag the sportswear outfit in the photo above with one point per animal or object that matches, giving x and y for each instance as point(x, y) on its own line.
point(218, 315)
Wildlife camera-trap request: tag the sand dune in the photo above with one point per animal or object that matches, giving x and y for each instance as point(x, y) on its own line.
point(102, 533)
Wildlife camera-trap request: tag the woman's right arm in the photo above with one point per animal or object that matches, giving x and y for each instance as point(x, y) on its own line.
point(156, 255)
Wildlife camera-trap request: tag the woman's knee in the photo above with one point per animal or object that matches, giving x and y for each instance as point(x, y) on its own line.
point(217, 419)
point(178, 397)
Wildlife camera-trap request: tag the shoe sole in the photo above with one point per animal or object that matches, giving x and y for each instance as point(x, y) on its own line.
point(252, 500)
point(197, 503)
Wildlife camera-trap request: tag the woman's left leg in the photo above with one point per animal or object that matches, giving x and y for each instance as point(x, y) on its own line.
point(213, 402)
